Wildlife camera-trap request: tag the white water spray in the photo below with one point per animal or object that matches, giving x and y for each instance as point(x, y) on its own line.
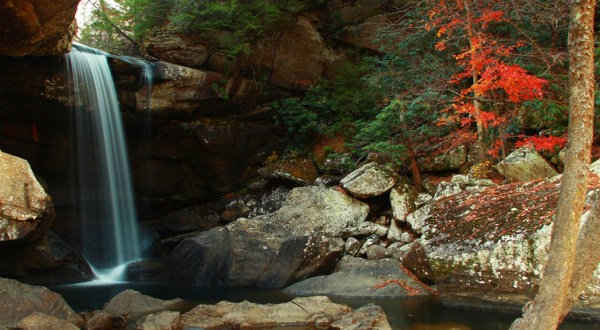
point(110, 236)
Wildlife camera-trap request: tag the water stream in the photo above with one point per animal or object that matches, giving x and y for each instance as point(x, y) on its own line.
point(109, 236)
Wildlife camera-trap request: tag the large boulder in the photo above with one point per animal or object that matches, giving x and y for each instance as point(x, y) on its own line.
point(303, 238)
point(177, 49)
point(48, 260)
point(525, 164)
point(368, 317)
point(19, 300)
point(357, 277)
point(402, 200)
point(295, 57)
point(489, 247)
point(134, 305)
point(450, 160)
point(369, 180)
point(36, 27)
point(41, 321)
point(317, 312)
point(25, 209)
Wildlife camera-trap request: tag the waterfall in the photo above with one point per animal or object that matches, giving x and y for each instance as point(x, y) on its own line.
point(109, 235)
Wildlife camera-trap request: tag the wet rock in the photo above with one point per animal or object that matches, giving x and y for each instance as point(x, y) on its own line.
point(135, 305)
point(357, 277)
point(180, 90)
point(369, 180)
point(36, 28)
point(19, 300)
point(25, 208)
point(41, 321)
point(314, 311)
point(525, 164)
point(369, 317)
point(48, 261)
point(302, 238)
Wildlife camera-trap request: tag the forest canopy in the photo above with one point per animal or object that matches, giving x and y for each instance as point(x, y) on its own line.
point(491, 72)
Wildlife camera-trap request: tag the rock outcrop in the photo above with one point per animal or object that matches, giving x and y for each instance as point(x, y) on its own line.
point(36, 27)
point(489, 247)
point(48, 260)
point(449, 161)
point(133, 305)
point(369, 317)
point(302, 239)
point(25, 208)
point(367, 181)
point(357, 277)
point(314, 311)
point(19, 300)
point(525, 164)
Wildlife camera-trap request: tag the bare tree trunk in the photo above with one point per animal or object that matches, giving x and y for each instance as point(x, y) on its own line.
point(546, 310)
point(471, 33)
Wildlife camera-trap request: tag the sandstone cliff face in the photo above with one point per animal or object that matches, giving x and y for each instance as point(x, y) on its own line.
point(36, 27)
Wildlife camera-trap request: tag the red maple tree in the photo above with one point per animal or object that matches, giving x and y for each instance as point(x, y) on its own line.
point(491, 88)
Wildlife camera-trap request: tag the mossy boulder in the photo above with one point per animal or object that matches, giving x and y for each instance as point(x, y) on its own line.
point(489, 247)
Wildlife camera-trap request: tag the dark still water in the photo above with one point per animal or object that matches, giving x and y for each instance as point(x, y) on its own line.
point(412, 313)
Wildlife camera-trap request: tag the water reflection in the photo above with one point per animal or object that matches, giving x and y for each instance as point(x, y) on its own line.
point(411, 313)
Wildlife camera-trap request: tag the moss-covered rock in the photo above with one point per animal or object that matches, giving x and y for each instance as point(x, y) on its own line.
point(490, 246)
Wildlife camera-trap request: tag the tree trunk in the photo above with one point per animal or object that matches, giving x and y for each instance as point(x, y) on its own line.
point(471, 34)
point(546, 310)
point(587, 259)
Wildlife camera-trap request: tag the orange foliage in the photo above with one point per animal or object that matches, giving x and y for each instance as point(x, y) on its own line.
point(541, 143)
point(494, 81)
point(411, 291)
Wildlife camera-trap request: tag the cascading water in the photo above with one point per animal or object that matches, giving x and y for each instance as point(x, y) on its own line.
point(110, 236)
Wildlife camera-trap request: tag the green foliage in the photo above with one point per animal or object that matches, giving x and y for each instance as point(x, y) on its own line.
point(233, 24)
point(397, 124)
point(300, 121)
point(331, 107)
point(121, 26)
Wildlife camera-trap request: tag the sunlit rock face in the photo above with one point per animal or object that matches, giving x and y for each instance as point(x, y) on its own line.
point(36, 27)
point(24, 205)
